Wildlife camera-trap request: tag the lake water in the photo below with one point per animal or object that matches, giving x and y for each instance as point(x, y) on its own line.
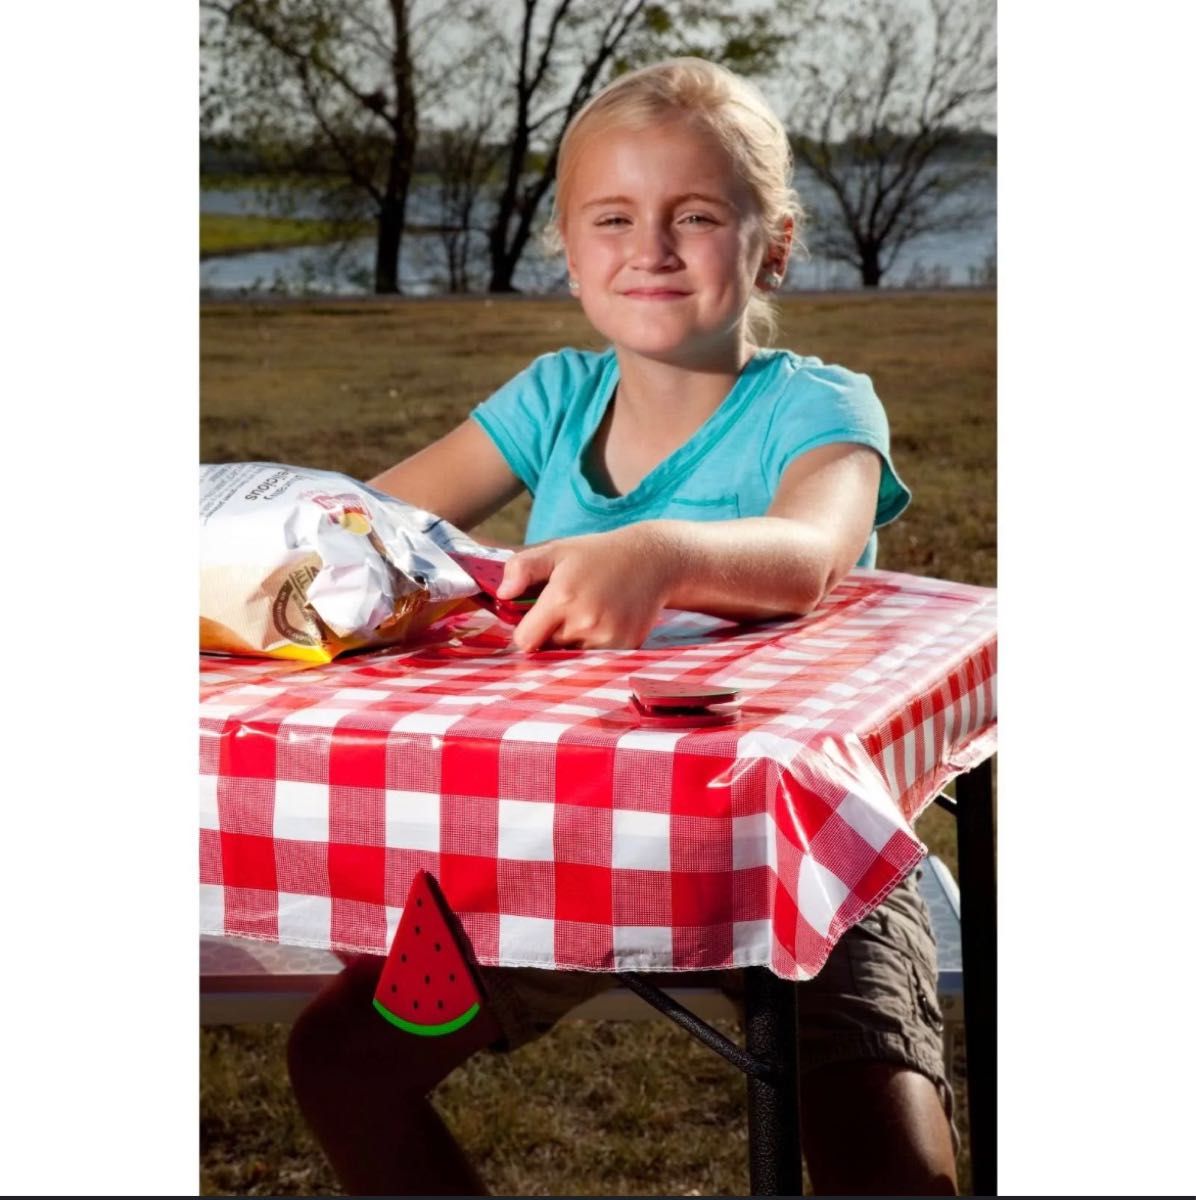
point(935, 259)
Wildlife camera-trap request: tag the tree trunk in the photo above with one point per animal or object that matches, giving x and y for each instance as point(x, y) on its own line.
point(869, 264)
point(505, 258)
point(502, 263)
point(390, 241)
point(392, 211)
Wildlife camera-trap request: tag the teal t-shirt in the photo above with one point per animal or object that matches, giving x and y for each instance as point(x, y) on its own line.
point(782, 405)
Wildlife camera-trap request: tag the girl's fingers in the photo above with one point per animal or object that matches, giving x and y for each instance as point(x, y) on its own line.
point(524, 570)
point(542, 621)
point(534, 636)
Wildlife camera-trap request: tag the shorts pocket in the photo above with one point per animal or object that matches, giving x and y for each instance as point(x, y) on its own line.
point(925, 989)
point(907, 925)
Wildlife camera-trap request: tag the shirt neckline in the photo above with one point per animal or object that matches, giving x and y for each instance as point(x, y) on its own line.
point(669, 469)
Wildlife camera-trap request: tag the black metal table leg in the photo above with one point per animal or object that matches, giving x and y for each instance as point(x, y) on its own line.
point(768, 1059)
point(774, 1143)
point(975, 830)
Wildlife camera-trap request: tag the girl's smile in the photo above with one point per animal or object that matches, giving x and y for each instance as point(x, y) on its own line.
point(655, 293)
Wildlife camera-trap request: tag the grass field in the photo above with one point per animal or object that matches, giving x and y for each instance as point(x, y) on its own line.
point(592, 1109)
point(228, 233)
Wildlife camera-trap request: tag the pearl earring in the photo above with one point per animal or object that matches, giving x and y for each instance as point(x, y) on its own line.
point(574, 286)
point(772, 281)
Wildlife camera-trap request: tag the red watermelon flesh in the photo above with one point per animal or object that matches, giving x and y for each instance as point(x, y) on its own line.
point(427, 985)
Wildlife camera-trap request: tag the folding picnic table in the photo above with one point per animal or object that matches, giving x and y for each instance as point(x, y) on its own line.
point(566, 834)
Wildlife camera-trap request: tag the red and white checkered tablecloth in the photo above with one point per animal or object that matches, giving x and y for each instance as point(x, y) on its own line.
point(562, 832)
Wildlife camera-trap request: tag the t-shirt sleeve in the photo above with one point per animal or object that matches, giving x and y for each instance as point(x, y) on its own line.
point(516, 418)
point(825, 404)
point(524, 417)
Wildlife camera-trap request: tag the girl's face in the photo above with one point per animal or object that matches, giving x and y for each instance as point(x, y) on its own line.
point(666, 243)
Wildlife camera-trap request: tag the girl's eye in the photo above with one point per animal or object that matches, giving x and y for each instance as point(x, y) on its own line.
point(611, 220)
point(697, 219)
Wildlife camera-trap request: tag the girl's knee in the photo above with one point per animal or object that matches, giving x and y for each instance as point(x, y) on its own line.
point(333, 1026)
point(339, 1043)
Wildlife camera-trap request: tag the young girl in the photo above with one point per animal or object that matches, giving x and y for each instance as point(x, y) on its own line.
point(684, 467)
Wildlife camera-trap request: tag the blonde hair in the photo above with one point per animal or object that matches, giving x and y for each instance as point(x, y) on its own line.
point(717, 101)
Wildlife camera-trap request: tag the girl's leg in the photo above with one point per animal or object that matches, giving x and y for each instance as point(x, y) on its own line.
point(875, 1102)
point(875, 1129)
point(362, 1086)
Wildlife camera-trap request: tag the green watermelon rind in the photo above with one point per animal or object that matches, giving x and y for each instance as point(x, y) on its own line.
point(430, 1030)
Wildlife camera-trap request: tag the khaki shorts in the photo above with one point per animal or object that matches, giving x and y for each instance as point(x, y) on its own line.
point(874, 999)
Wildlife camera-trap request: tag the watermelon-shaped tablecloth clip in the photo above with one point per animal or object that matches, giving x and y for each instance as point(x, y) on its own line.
point(487, 573)
point(428, 985)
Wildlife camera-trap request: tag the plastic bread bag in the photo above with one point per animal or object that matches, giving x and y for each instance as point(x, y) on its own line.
point(304, 564)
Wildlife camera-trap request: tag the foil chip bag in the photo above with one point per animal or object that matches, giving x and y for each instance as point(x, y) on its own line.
point(304, 564)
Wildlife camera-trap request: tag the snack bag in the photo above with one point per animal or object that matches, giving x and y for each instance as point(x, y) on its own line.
point(304, 564)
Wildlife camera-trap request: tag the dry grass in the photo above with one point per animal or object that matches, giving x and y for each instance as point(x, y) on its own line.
point(602, 1109)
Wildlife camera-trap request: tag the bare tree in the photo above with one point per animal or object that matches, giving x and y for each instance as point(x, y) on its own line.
point(329, 89)
point(883, 92)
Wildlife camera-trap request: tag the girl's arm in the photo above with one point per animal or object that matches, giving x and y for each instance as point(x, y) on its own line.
point(608, 589)
point(816, 529)
point(461, 477)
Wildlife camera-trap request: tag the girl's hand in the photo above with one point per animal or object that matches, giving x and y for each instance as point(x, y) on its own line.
point(602, 590)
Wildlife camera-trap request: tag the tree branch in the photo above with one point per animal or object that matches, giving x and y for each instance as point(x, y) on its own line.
point(249, 16)
point(359, 175)
point(549, 39)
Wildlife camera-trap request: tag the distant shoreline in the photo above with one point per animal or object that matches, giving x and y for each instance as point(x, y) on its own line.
point(299, 243)
point(238, 298)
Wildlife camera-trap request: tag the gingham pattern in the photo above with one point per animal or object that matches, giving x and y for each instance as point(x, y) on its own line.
point(562, 832)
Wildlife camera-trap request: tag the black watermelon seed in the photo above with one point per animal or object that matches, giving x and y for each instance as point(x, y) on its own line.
point(427, 979)
point(415, 1004)
point(402, 958)
point(417, 929)
point(419, 904)
point(439, 1003)
point(437, 946)
point(452, 977)
point(394, 987)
